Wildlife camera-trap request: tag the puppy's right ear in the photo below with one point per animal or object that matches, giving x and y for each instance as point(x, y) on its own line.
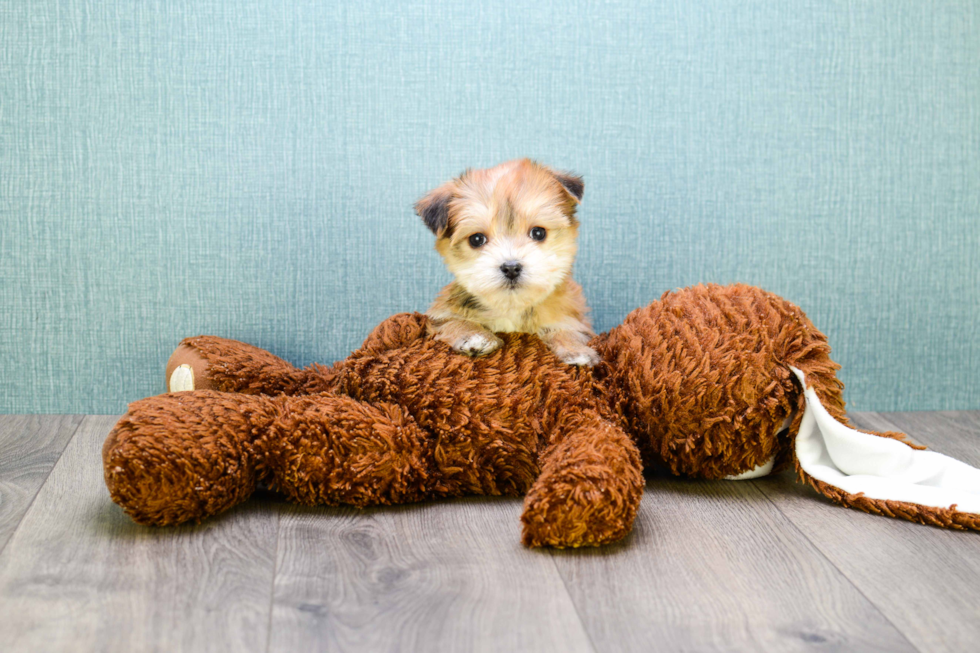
point(434, 208)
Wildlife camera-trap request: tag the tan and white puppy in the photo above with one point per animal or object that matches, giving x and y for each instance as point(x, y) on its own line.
point(509, 235)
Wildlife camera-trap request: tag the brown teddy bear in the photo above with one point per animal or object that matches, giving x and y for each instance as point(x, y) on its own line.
point(706, 382)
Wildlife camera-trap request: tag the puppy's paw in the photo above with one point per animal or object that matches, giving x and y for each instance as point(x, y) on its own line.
point(478, 344)
point(584, 356)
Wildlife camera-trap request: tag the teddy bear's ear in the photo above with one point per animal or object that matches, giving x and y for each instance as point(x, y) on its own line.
point(434, 208)
point(572, 183)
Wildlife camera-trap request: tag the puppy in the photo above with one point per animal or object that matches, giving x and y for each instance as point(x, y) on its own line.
point(509, 236)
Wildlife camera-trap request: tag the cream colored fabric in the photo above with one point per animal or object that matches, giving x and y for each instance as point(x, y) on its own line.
point(182, 379)
point(880, 468)
point(757, 472)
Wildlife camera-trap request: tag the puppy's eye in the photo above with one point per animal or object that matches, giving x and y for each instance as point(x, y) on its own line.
point(538, 233)
point(477, 240)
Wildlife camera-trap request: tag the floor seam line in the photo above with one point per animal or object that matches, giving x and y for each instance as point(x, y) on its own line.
point(47, 477)
point(578, 615)
point(820, 551)
point(275, 575)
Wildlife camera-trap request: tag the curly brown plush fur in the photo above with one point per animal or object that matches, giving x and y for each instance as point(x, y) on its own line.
point(697, 382)
point(402, 419)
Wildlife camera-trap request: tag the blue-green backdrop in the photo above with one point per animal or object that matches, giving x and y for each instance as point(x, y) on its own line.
point(247, 169)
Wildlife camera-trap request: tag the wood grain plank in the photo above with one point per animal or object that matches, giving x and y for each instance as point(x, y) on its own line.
point(925, 580)
point(30, 445)
point(78, 575)
point(430, 577)
point(713, 566)
point(954, 433)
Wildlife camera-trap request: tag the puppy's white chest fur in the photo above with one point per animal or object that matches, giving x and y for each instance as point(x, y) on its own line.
point(504, 324)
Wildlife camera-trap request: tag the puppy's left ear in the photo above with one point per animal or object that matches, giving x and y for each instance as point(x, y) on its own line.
point(572, 183)
point(434, 208)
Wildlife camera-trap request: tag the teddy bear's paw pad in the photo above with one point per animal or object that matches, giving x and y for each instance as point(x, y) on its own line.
point(181, 379)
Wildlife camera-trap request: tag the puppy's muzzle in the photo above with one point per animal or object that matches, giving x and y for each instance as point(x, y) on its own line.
point(511, 269)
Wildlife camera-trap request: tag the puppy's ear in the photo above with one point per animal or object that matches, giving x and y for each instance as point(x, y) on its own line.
point(572, 183)
point(434, 208)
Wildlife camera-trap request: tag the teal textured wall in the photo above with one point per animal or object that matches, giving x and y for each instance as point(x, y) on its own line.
point(248, 170)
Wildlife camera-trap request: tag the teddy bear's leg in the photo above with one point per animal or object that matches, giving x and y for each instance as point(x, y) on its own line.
point(590, 486)
point(179, 457)
point(332, 449)
point(212, 363)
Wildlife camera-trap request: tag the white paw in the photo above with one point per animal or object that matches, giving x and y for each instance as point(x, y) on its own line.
point(182, 379)
point(478, 344)
point(585, 357)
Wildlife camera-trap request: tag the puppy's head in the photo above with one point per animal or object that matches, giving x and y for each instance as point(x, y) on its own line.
point(507, 233)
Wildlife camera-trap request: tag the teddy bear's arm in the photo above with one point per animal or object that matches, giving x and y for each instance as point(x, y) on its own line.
point(590, 486)
point(212, 363)
point(399, 330)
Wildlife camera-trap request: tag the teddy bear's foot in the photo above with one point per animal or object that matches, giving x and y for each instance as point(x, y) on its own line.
point(181, 457)
point(589, 489)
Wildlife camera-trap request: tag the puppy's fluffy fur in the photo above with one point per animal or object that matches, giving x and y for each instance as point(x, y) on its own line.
point(509, 235)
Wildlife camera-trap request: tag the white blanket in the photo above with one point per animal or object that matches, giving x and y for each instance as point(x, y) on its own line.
point(880, 468)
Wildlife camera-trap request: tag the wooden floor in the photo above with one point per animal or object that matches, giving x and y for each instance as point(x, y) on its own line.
point(757, 565)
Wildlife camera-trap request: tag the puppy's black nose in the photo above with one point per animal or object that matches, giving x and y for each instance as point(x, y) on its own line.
point(511, 269)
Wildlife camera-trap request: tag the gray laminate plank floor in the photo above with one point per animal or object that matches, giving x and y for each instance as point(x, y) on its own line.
point(713, 566)
point(444, 576)
point(30, 445)
point(758, 565)
point(924, 580)
point(78, 575)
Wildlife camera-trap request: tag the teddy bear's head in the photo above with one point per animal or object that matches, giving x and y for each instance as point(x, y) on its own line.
point(698, 369)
